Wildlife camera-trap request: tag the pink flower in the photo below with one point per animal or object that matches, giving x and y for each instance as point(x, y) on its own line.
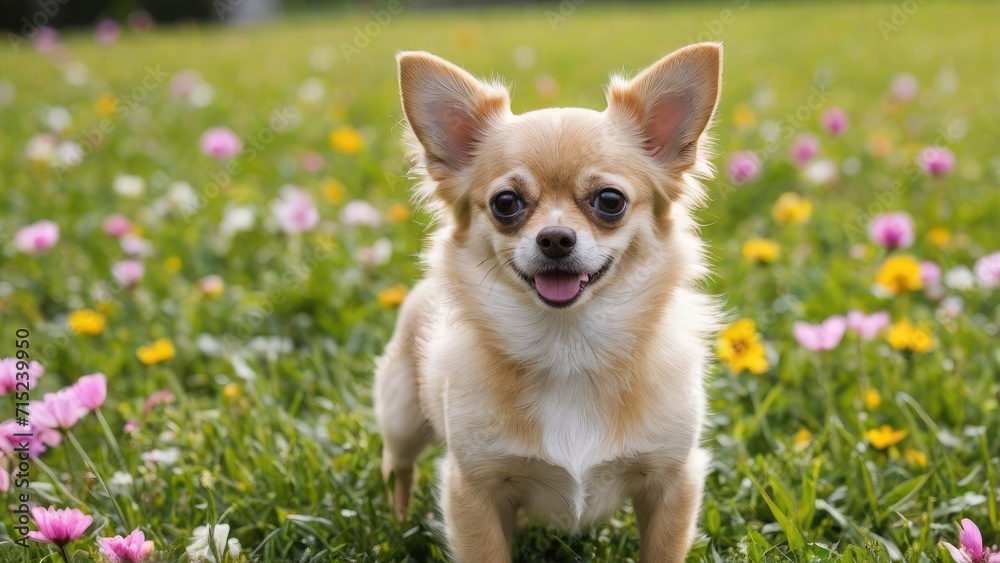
point(106, 32)
point(295, 211)
point(59, 527)
point(930, 273)
point(936, 161)
point(972, 549)
point(161, 397)
point(312, 161)
point(9, 371)
point(360, 212)
point(134, 245)
point(127, 272)
point(91, 391)
point(904, 87)
point(987, 269)
point(867, 326)
point(892, 230)
point(804, 148)
point(744, 166)
point(4, 480)
point(220, 143)
point(835, 121)
point(59, 410)
point(184, 82)
point(131, 426)
point(37, 237)
point(45, 39)
point(132, 549)
point(34, 437)
point(117, 225)
point(823, 336)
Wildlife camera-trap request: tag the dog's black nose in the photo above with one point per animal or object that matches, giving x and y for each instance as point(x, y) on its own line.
point(556, 242)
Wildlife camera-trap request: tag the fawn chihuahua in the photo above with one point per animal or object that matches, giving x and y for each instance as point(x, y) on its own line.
point(559, 341)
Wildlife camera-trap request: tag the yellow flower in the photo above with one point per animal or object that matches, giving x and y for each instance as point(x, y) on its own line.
point(232, 390)
point(740, 347)
point(939, 236)
point(333, 190)
point(792, 208)
point(106, 105)
point(872, 399)
point(159, 351)
point(346, 140)
point(802, 438)
point(907, 337)
point(761, 250)
point(86, 322)
point(743, 116)
point(172, 264)
point(398, 213)
point(392, 296)
point(884, 437)
point(915, 458)
point(900, 273)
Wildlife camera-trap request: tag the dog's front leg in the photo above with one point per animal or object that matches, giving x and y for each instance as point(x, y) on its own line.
point(667, 507)
point(479, 517)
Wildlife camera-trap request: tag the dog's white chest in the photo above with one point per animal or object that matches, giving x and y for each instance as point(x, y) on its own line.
point(573, 428)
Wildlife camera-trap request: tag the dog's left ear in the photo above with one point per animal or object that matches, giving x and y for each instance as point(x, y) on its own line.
point(671, 103)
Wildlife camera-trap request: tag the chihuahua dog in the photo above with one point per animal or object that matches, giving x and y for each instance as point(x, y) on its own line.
point(558, 343)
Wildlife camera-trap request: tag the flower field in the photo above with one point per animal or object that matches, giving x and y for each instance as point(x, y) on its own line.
point(205, 234)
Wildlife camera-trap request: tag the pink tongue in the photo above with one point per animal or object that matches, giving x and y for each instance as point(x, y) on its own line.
point(559, 287)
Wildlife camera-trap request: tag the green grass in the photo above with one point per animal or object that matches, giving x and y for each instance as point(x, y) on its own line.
point(284, 448)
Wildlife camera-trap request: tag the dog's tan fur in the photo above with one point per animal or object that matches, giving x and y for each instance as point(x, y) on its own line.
point(559, 412)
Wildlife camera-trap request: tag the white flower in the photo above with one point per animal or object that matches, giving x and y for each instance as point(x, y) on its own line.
point(168, 456)
point(129, 185)
point(295, 210)
point(41, 148)
point(201, 95)
point(58, 119)
point(821, 172)
point(182, 195)
point(960, 278)
point(68, 154)
point(311, 90)
point(119, 483)
point(377, 255)
point(359, 212)
point(237, 218)
point(200, 550)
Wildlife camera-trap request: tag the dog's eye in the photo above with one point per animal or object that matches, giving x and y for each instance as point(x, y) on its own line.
point(507, 206)
point(609, 204)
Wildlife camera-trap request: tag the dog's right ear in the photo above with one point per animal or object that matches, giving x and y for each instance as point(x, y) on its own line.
point(448, 110)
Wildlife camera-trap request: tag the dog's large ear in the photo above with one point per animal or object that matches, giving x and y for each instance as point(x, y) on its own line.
point(448, 110)
point(671, 103)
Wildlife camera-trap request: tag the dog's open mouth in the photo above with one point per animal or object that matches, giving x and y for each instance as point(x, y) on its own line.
point(560, 288)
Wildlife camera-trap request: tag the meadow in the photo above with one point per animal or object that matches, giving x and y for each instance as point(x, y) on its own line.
point(231, 234)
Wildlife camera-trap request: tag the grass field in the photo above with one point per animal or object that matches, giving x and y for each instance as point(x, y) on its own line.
point(254, 411)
